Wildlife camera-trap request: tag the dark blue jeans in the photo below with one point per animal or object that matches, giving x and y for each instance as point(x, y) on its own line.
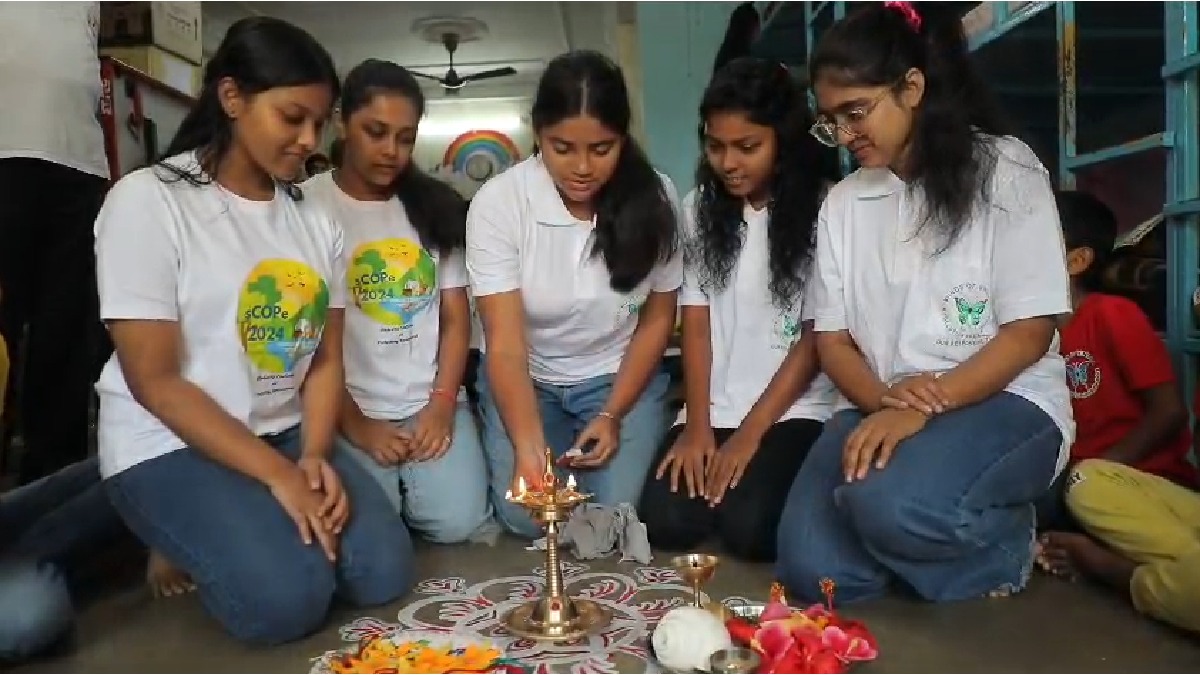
point(951, 516)
point(253, 573)
point(46, 526)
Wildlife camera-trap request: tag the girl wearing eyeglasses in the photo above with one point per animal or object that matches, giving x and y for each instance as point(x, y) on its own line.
point(940, 277)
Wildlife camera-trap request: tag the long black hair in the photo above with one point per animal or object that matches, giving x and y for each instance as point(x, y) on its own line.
point(437, 212)
point(950, 156)
point(258, 53)
point(768, 96)
point(743, 28)
point(636, 227)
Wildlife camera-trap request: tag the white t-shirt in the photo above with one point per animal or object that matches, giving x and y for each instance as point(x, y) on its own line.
point(248, 282)
point(750, 336)
point(50, 84)
point(521, 236)
point(393, 315)
point(911, 311)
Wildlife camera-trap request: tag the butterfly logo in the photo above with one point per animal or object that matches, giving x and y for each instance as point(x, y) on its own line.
point(1077, 374)
point(787, 331)
point(1083, 374)
point(970, 313)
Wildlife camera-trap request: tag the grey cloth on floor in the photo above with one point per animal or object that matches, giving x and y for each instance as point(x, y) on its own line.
point(596, 531)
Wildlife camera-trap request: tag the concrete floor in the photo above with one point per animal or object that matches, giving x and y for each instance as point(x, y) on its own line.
point(1052, 627)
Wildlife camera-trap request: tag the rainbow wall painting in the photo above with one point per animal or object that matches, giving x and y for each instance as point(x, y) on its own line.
point(481, 154)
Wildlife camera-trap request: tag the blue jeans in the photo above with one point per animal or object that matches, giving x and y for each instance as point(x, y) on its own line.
point(45, 527)
point(951, 516)
point(444, 500)
point(62, 518)
point(253, 573)
point(565, 410)
point(35, 608)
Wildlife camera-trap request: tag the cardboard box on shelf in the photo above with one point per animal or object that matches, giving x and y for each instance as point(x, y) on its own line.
point(172, 26)
point(160, 65)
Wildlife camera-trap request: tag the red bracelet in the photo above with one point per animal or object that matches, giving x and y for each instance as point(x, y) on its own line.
point(438, 391)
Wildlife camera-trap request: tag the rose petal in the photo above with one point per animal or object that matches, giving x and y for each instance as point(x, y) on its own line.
point(773, 639)
point(741, 630)
point(825, 662)
point(858, 631)
point(818, 612)
point(775, 611)
point(791, 661)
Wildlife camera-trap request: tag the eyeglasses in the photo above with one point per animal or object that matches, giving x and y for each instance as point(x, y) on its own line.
point(826, 129)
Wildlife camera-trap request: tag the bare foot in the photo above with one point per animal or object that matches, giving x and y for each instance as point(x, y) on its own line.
point(165, 579)
point(1055, 553)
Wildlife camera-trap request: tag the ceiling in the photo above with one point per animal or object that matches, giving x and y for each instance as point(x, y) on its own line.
point(524, 35)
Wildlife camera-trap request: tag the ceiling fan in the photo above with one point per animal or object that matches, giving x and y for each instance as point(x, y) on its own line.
point(452, 81)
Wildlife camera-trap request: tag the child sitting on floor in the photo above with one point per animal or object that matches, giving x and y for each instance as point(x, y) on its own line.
point(1143, 539)
point(1126, 404)
point(1127, 488)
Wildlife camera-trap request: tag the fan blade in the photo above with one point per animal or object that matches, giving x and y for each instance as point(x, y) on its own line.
point(489, 74)
point(435, 78)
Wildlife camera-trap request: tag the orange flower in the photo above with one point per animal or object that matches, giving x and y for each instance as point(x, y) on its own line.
point(383, 656)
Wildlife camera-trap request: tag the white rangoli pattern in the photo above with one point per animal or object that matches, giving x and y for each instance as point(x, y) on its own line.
point(637, 601)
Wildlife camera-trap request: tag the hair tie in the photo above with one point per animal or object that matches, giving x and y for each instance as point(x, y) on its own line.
point(910, 13)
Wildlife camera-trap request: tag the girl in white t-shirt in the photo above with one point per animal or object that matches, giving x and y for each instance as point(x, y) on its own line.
point(755, 398)
point(218, 283)
point(940, 276)
point(408, 323)
point(573, 262)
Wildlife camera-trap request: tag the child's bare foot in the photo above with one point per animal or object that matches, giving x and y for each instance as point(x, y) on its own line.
point(1055, 553)
point(165, 579)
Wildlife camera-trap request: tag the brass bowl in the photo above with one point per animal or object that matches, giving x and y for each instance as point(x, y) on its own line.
point(736, 660)
point(696, 568)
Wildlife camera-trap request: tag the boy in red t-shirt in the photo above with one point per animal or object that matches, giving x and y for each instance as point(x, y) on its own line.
point(1127, 406)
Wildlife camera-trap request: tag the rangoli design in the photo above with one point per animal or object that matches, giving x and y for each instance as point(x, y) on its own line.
point(637, 600)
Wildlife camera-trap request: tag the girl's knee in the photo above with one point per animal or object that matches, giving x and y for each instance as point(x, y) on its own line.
point(36, 608)
point(291, 607)
point(452, 525)
point(881, 516)
point(516, 519)
point(377, 565)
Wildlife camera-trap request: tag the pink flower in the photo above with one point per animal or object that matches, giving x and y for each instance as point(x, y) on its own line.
point(846, 646)
point(775, 611)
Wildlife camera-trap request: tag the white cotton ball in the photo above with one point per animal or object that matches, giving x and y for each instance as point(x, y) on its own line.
point(687, 636)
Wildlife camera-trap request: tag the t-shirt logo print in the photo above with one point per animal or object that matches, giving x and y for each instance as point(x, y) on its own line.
point(392, 280)
point(630, 308)
point(969, 313)
point(1083, 374)
point(281, 314)
point(965, 315)
point(786, 331)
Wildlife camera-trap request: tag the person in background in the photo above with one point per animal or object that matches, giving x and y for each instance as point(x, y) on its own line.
point(316, 164)
point(50, 527)
point(217, 282)
point(404, 415)
point(573, 261)
point(53, 175)
point(1127, 405)
point(940, 279)
point(755, 398)
point(743, 29)
point(336, 149)
point(1141, 537)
